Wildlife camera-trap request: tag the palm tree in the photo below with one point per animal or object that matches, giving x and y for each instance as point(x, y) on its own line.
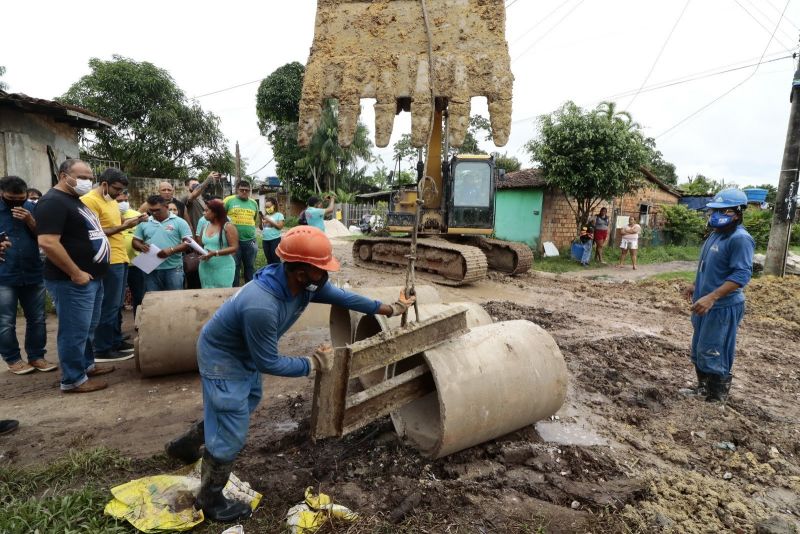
point(609, 110)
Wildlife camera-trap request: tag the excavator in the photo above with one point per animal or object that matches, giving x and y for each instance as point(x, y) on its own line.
point(429, 57)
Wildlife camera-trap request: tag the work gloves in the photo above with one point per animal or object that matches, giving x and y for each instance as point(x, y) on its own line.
point(322, 359)
point(402, 304)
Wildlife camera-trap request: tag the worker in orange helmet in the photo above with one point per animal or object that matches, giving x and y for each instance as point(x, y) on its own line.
point(241, 341)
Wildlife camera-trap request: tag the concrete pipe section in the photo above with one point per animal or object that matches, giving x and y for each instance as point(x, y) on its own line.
point(495, 379)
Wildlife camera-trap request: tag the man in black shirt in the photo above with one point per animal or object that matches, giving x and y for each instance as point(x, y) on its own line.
point(77, 252)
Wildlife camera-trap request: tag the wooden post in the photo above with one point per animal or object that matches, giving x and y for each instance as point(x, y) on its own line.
point(238, 164)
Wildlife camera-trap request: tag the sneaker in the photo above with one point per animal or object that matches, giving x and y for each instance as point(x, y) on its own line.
point(8, 425)
point(112, 356)
point(20, 368)
point(43, 365)
point(126, 337)
point(124, 347)
point(88, 387)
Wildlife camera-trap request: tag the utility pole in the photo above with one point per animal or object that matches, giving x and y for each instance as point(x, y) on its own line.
point(238, 163)
point(786, 199)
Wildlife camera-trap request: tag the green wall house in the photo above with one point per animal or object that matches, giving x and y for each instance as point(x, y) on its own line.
point(518, 207)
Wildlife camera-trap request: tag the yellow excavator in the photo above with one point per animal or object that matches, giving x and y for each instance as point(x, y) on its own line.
point(429, 57)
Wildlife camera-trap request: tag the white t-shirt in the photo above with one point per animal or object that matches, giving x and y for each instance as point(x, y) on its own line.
point(632, 237)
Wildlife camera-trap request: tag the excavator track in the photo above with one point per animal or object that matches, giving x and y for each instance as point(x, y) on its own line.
point(508, 257)
point(440, 261)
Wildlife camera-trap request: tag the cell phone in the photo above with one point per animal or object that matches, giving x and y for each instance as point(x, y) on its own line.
point(3, 237)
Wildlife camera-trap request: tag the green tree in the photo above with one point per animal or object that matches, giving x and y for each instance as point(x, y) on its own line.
point(609, 110)
point(157, 131)
point(3, 85)
point(686, 226)
point(701, 185)
point(506, 162)
point(587, 156)
point(758, 224)
point(478, 127)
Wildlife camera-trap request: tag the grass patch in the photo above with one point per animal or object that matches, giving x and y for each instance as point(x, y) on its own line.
point(687, 276)
point(647, 255)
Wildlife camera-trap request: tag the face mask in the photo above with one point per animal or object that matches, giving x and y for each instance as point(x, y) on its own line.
point(313, 287)
point(82, 187)
point(34, 200)
point(13, 203)
point(124, 206)
point(718, 219)
point(270, 211)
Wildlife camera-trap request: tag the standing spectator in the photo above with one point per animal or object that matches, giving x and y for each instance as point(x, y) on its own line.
point(167, 192)
point(586, 238)
point(108, 343)
point(725, 267)
point(34, 195)
point(166, 231)
point(135, 280)
point(195, 210)
point(630, 240)
point(245, 214)
point(315, 213)
point(271, 236)
point(173, 208)
point(221, 239)
point(600, 234)
point(77, 253)
point(21, 280)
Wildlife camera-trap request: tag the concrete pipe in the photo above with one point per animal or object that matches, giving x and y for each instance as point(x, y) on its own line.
point(493, 380)
point(169, 324)
point(343, 322)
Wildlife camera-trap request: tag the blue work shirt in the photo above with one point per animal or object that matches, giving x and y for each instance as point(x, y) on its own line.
point(725, 256)
point(23, 265)
point(242, 336)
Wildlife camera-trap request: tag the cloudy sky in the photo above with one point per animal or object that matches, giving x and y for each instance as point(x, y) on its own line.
point(725, 125)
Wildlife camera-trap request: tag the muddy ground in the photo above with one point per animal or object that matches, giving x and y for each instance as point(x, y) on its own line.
point(628, 452)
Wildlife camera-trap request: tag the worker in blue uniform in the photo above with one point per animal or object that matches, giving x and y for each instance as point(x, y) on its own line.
point(241, 341)
point(725, 267)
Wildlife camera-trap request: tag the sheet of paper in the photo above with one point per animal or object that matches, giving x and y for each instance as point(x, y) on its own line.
point(622, 221)
point(148, 261)
point(195, 246)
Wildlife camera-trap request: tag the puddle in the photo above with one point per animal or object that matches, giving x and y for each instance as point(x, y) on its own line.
point(568, 434)
point(286, 426)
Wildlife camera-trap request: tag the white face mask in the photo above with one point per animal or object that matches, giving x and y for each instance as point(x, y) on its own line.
point(83, 187)
point(124, 206)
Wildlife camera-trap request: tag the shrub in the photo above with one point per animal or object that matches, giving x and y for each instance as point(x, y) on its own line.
point(757, 223)
point(685, 226)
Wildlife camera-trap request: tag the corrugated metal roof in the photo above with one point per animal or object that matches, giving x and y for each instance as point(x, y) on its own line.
point(78, 117)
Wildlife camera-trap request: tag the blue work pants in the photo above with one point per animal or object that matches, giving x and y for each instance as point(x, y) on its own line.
point(108, 335)
point(31, 298)
point(714, 339)
point(227, 405)
point(78, 308)
point(245, 261)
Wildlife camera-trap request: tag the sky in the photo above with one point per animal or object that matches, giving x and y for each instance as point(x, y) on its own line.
point(729, 126)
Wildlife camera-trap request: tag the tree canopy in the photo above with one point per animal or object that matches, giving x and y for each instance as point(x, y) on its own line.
point(506, 162)
point(3, 85)
point(701, 185)
point(587, 155)
point(157, 131)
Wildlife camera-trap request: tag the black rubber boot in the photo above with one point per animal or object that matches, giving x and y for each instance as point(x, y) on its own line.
point(702, 382)
point(186, 448)
point(718, 388)
point(215, 506)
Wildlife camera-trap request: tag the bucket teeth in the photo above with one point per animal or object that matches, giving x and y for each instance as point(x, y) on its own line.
point(379, 49)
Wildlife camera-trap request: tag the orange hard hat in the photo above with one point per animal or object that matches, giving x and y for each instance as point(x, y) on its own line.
point(308, 244)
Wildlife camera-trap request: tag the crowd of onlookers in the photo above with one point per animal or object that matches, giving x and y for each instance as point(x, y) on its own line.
point(79, 243)
point(594, 235)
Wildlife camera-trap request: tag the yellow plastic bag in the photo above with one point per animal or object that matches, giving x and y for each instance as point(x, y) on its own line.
point(307, 516)
point(164, 503)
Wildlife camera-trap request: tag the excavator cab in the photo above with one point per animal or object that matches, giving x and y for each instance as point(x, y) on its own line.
point(470, 197)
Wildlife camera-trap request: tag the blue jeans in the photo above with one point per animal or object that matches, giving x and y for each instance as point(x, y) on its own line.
point(269, 250)
point(587, 252)
point(108, 335)
point(227, 405)
point(714, 339)
point(78, 309)
point(136, 283)
point(245, 260)
point(164, 280)
point(31, 298)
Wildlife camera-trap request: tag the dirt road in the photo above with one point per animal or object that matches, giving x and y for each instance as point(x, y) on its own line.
point(627, 452)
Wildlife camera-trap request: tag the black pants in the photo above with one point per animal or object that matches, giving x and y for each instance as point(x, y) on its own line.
point(269, 250)
point(192, 280)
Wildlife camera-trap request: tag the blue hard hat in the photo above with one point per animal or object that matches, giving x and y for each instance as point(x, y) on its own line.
point(728, 198)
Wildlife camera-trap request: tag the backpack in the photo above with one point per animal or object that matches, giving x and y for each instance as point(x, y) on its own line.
point(302, 218)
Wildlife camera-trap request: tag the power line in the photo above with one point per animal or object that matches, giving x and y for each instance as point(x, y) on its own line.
point(754, 5)
point(760, 23)
point(228, 88)
point(511, 3)
point(540, 21)
point(545, 34)
point(729, 91)
point(663, 47)
point(787, 19)
point(263, 166)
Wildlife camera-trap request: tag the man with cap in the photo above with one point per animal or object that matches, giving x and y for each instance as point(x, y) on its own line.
point(725, 267)
point(241, 341)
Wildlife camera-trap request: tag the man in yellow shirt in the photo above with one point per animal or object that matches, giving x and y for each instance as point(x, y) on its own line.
point(108, 343)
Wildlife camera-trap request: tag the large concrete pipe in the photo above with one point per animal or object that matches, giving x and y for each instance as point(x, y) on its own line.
point(493, 380)
point(169, 324)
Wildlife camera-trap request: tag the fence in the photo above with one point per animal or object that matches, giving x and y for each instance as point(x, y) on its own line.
point(352, 213)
